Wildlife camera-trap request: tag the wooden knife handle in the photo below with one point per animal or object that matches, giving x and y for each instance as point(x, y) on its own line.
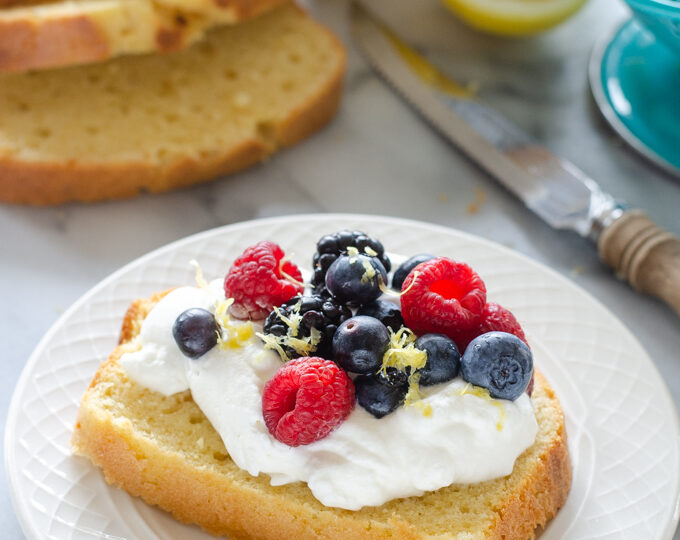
point(644, 255)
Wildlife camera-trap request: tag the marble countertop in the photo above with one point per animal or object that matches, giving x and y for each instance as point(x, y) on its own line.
point(376, 158)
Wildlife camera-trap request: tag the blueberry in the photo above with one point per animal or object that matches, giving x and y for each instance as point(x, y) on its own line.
point(443, 359)
point(386, 312)
point(405, 268)
point(355, 279)
point(499, 362)
point(380, 394)
point(195, 331)
point(359, 344)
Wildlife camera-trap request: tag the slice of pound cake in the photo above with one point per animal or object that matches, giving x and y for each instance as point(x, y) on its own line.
point(140, 425)
point(36, 34)
point(151, 123)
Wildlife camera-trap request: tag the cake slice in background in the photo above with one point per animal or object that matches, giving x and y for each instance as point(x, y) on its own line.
point(150, 123)
point(43, 34)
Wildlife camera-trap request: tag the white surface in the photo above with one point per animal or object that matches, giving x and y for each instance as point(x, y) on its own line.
point(623, 429)
point(376, 157)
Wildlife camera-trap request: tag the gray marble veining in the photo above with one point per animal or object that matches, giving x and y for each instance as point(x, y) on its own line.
point(377, 158)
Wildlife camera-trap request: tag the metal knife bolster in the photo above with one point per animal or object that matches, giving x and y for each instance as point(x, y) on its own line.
point(561, 194)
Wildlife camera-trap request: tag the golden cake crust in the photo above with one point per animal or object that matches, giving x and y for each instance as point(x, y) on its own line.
point(51, 34)
point(176, 472)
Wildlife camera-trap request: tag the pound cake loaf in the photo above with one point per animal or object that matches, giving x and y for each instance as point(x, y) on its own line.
point(151, 123)
point(165, 450)
point(37, 34)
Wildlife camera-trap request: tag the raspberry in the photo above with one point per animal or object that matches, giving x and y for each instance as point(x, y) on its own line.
point(258, 281)
point(306, 399)
point(443, 296)
point(494, 318)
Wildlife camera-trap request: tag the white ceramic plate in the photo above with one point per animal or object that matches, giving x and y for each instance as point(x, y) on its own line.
point(623, 427)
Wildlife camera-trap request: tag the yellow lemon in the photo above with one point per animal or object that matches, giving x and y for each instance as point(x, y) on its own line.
point(513, 17)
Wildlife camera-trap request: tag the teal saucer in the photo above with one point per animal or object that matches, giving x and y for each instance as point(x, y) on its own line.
point(635, 80)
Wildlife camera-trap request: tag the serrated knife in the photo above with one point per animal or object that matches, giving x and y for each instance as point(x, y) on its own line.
point(556, 190)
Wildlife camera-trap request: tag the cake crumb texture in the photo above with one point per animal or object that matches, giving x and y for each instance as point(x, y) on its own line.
point(164, 450)
point(151, 123)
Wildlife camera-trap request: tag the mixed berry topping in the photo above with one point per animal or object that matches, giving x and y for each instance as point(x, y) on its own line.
point(360, 343)
point(306, 399)
point(443, 296)
point(304, 325)
point(195, 331)
point(341, 343)
point(331, 246)
point(499, 362)
point(386, 312)
point(405, 268)
point(261, 279)
point(356, 279)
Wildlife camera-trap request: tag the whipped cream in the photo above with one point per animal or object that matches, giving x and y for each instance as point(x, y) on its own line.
point(366, 461)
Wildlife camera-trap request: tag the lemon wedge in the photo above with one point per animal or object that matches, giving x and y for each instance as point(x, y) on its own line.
point(513, 17)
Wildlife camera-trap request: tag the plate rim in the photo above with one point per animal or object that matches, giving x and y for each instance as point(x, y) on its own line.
point(19, 506)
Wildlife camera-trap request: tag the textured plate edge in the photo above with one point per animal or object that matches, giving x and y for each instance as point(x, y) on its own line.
point(599, 96)
point(673, 513)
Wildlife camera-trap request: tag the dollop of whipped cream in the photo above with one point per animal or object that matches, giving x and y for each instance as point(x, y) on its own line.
point(453, 435)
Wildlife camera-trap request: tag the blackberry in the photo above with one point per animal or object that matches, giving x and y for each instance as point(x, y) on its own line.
point(331, 246)
point(302, 314)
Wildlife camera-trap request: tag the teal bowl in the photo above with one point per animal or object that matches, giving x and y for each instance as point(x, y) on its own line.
point(661, 18)
point(635, 78)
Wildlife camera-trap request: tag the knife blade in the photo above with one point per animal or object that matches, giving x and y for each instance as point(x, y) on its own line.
point(556, 190)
